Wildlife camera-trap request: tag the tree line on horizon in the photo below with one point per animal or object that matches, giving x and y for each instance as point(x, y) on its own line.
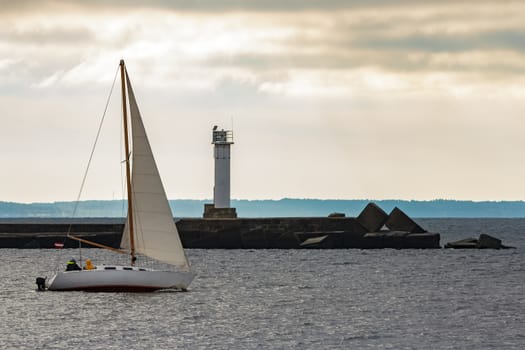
point(286, 207)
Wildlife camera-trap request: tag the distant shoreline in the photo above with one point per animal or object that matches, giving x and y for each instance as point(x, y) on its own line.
point(286, 207)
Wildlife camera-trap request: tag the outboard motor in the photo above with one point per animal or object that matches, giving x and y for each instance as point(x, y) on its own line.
point(41, 283)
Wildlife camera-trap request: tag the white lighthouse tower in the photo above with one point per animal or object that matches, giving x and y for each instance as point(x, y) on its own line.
point(222, 141)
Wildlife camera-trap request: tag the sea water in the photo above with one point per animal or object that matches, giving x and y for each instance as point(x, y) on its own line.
point(288, 299)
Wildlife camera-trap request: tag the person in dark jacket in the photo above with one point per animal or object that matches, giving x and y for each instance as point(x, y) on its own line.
point(72, 265)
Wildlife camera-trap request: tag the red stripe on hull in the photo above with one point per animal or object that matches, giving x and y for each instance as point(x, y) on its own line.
point(113, 289)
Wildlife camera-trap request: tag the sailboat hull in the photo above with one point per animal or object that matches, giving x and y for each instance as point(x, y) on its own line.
point(120, 279)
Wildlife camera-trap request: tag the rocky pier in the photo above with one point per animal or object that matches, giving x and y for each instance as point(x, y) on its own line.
point(373, 228)
point(483, 242)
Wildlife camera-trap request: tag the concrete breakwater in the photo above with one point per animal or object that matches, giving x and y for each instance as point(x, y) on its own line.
point(372, 229)
point(483, 242)
point(45, 234)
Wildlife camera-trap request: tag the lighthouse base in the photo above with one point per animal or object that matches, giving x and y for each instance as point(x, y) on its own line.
point(211, 212)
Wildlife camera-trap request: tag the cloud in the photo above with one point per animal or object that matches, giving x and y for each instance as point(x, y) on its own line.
point(48, 36)
point(208, 5)
point(444, 42)
point(203, 49)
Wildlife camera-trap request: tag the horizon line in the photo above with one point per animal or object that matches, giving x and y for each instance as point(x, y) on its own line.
point(288, 198)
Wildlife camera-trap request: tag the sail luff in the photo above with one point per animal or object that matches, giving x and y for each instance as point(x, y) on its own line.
point(155, 232)
point(131, 237)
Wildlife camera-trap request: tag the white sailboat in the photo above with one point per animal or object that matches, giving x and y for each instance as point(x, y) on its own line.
point(149, 229)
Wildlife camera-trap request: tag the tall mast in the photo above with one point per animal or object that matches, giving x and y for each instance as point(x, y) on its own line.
point(128, 173)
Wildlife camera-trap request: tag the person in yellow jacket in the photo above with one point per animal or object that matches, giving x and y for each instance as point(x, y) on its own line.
point(89, 265)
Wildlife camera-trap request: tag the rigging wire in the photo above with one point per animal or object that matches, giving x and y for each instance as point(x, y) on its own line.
point(75, 208)
point(94, 145)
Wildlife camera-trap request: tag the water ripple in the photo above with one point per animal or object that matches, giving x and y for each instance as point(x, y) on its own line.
point(281, 299)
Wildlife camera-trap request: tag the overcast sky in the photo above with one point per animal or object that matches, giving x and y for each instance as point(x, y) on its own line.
point(327, 99)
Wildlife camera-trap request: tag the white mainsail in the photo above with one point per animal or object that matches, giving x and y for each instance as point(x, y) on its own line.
point(155, 233)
